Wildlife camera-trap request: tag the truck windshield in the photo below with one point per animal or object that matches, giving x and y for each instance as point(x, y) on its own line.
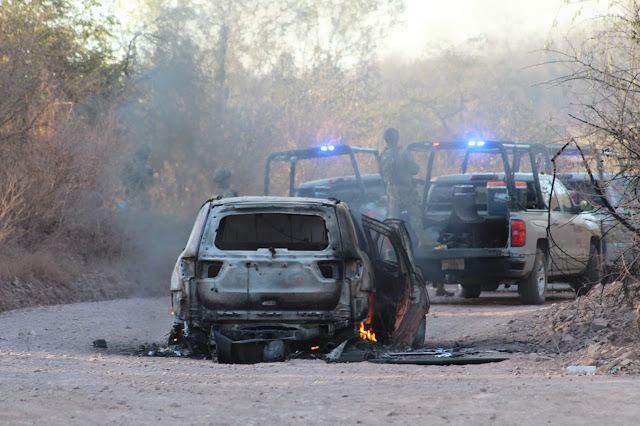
point(272, 230)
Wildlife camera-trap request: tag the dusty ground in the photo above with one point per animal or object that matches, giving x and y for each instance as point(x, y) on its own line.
point(51, 373)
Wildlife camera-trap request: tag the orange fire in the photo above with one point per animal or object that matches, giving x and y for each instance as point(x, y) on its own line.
point(367, 334)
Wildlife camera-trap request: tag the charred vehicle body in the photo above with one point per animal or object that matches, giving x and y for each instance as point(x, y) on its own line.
point(263, 276)
point(363, 193)
point(491, 228)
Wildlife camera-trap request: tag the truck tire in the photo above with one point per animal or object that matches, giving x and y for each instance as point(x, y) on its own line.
point(470, 292)
point(418, 340)
point(533, 289)
point(592, 275)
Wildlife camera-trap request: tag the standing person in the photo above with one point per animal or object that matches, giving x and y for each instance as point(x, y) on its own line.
point(397, 168)
point(222, 189)
point(137, 178)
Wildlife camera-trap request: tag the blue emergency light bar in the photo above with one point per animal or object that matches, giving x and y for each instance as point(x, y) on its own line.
point(325, 148)
point(475, 143)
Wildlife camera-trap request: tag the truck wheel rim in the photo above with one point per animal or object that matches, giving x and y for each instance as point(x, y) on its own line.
point(542, 282)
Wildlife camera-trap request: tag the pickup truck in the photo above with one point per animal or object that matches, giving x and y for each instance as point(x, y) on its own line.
point(600, 178)
point(490, 228)
point(600, 193)
point(364, 193)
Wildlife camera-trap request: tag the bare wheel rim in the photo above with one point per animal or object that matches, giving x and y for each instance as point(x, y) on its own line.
point(542, 282)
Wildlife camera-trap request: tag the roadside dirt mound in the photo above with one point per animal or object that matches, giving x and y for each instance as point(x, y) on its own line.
point(600, 329)
point(88, 287)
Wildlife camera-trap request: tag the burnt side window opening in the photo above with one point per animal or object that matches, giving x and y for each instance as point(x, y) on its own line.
point(272, 230)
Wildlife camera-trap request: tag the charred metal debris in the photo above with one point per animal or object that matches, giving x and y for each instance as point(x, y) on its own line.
point(354, 349)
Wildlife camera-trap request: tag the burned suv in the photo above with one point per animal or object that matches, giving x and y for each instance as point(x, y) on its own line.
point(263, 276)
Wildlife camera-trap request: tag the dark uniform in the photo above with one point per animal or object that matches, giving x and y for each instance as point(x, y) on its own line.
point(397, 168)
point(137, 177)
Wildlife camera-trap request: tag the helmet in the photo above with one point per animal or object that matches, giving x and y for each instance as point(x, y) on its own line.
point(391, 136)
point(222, 174)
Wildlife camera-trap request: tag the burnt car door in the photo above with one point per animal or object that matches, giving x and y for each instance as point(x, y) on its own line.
point(401, 300)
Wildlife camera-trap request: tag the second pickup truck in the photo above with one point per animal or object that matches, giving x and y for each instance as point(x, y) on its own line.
point(492, 228)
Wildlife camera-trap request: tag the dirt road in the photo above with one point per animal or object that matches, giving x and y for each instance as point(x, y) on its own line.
point(51, 373)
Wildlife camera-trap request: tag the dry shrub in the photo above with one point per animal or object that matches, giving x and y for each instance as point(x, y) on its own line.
point(49, 262)
point(58, 192)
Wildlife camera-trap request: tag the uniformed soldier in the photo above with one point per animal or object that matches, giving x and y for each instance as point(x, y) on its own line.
point(137, 177)
point(222, 179)
point(397, 168)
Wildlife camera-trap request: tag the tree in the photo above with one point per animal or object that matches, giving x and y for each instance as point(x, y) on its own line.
point(602, 70)
point(55, 64)
point(457, 95)
point(225, 83)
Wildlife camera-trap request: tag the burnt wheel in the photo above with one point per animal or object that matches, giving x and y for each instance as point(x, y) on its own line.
point(198, 342)
point(533, 289)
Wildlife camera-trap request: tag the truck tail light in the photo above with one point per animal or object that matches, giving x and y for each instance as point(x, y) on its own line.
point(518, 233)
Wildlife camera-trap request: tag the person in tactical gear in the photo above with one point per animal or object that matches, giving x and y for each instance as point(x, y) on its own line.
point(397, 168)
point(137, 177)
point(222, 189)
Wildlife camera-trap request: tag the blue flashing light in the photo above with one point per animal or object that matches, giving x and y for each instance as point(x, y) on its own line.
point(480, 143)
point(472, 143)
point(331, 147)
point(324, 148)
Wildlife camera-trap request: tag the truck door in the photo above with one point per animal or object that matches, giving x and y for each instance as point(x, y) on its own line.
point(576, 242)
point(561, 230)
point(558, 229)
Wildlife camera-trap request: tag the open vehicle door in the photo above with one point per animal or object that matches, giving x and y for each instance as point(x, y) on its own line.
point(400, 300)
